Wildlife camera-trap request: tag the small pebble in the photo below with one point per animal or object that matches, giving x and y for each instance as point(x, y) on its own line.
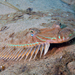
point(2, 68)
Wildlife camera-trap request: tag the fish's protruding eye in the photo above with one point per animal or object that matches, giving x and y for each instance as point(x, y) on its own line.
point(34, 31)
point(31, 31)
point(32, 34)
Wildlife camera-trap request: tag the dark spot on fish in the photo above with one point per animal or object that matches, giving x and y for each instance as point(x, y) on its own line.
point(4, 28)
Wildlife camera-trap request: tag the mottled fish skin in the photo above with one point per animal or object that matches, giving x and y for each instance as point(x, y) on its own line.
point(28, 43)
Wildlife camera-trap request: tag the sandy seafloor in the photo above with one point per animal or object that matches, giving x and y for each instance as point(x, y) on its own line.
point(60, 60)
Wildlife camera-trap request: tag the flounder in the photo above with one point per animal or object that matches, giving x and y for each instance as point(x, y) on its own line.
point(29, 42)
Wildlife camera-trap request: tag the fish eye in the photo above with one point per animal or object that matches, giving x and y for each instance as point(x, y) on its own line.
point(31, 31)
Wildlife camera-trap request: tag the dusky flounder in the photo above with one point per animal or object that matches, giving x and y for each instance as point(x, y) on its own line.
point(33, 40)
